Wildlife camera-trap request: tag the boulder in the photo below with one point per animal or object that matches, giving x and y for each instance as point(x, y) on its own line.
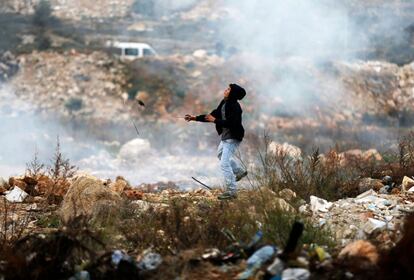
point(287, 194)
point(17, 182)
point(407, 183)
point(44, 184)
point(275, 202)
point(88, 196)
point(366, 184)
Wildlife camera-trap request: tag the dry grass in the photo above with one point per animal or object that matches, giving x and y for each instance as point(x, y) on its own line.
point(332, 175)
point(184, 224)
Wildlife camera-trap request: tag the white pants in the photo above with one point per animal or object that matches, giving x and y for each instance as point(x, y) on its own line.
point(229, 166)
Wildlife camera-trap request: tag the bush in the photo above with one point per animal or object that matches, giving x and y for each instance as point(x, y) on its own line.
point(74, 104)
point(43, 14)
point(330, 176)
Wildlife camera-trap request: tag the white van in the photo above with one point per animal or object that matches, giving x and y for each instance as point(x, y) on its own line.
point(131, 51)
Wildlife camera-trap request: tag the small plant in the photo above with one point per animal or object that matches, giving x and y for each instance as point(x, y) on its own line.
point(35, 168)
point(61, 167)
point(11, 229)
point(42, 20)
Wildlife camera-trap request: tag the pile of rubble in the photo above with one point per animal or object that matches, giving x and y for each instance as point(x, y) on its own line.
point(370, 215)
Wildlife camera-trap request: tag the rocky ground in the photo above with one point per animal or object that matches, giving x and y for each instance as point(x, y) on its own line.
point(41, 205)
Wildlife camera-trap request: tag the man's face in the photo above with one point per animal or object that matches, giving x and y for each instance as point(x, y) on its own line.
point(227, 93)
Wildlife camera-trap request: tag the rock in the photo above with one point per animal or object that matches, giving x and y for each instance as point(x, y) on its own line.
point(134, 194)
point(287, 194)
point(360, 249)
point(30, 180)
point(44, 184)
point(16, 195)
point(13, 181)
point(281, 204)
point(372, 154)
point(88, 196)
point(366, 184)
point(275, 201)
point(319, 205)
point(2, 190)
point(407, 183)
point(373, 224)
point(411, 190)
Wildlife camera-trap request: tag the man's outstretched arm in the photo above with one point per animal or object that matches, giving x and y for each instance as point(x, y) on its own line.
point(201, 118)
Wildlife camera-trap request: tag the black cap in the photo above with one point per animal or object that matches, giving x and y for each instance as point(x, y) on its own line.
point(237, 92)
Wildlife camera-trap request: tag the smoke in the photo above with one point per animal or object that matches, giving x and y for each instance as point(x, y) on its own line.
point(311, 29)
point(286, 49)
point(153, 158)
point(283, 52)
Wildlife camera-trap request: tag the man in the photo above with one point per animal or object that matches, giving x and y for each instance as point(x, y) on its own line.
point(228, 120)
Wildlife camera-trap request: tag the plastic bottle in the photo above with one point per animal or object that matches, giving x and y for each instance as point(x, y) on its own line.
point(261, 256)
point(256, 260)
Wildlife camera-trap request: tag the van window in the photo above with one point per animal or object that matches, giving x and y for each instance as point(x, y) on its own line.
point(148, 52)
point(132, 52)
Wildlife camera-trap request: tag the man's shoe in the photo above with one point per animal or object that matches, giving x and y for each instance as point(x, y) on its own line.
point(227, 195)
point(241, 176)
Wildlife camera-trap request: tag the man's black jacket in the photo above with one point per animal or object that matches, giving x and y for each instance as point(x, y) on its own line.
point(233, 121)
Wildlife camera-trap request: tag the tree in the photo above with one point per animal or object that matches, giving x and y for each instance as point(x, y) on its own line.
point(43, 14)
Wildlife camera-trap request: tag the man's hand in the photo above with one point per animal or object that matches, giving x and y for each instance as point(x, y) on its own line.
point(210, 118)
point(189, 118)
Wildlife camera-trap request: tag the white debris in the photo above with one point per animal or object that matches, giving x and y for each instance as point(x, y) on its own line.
point(16, 195)
point(295, 274)
point(319, 204)
point(372, 225)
